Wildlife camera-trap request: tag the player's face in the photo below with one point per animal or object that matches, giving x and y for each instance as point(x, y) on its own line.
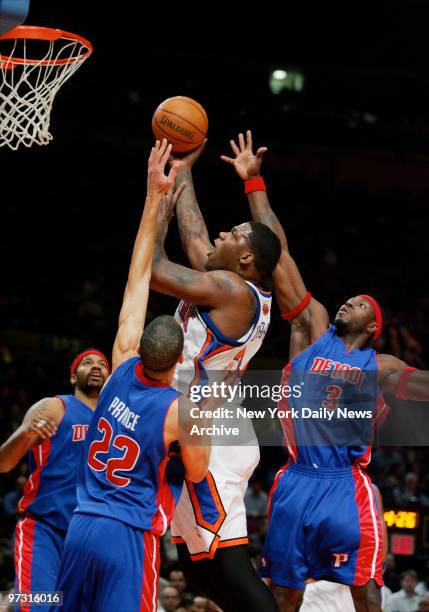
point(91, 373)
point(229, 248)
point(354, 315)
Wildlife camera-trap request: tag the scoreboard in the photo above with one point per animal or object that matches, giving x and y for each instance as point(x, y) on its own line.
point(401, 519)
point(408, 531)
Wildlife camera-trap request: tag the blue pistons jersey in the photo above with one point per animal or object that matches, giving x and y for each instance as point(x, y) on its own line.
point(50, 491)
point(127, 474)
point(328, 420)
point(328, 423)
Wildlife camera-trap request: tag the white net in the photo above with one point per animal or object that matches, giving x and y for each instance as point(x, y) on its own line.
point(31, 72)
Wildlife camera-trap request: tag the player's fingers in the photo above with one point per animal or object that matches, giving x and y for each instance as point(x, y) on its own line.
point(50, 427)
point(241, 142)
point(47, 433)
point(162, 148)
point(234, 147)
point(165, 152)
point(260, 152)
point(249, 142)
point(45, 427)
point(38, 431)
point(153, 153)
point(226, 159)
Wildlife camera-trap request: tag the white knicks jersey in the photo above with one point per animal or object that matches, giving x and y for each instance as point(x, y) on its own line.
point(211, 513)
point(206, 348)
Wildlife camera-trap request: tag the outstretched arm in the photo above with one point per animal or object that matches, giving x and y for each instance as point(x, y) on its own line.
point(394, 376)
point(248, 166)
point(133, 311)
point(200, 288)
point(192, 227)
point(290, 288)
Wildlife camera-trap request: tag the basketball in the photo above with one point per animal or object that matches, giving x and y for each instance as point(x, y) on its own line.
point(182, 121)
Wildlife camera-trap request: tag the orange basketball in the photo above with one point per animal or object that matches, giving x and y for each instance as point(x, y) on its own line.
point(182, 121)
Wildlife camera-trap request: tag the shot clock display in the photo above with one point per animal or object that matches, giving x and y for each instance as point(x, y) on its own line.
point(401, 519)
point(403, 526)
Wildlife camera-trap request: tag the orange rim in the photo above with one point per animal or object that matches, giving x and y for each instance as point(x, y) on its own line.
point(50, 34)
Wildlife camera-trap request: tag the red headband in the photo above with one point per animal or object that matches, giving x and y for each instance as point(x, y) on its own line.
point(378, 315)
point(78, 359)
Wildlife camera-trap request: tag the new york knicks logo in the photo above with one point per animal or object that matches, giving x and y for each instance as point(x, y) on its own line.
point(339, 558)
point(265, 309)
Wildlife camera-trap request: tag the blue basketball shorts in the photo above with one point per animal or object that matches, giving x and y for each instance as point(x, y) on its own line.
point(38, 550)
point(323, 524)
point(108, 566)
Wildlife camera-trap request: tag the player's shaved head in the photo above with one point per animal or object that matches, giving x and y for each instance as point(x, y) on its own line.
point(161, 344)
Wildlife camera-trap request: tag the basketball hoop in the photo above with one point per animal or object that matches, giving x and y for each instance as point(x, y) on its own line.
point(34, 63)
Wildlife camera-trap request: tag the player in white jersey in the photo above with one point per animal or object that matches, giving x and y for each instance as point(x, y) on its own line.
point(225, 314)
point(207, 350)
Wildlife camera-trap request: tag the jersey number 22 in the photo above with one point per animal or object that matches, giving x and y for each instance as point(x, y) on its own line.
point(114, 464)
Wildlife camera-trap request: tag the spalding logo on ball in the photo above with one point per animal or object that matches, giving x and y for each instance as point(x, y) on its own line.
point(182, 121)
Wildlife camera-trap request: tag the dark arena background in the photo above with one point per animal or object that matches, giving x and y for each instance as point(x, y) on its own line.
point(344, 113)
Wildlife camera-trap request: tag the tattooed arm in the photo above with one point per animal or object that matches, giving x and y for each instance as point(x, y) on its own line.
point(201, 288)
point(192, 227)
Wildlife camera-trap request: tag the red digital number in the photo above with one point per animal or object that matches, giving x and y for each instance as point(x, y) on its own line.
point(334, 393)
point(113, 465)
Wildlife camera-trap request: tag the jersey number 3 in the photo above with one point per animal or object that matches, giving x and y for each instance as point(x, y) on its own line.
point(117, 464)
point(334, 394)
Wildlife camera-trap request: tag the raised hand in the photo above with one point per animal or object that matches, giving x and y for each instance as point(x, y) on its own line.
point(188, 160)
point(157, 181)
point(245, 162)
